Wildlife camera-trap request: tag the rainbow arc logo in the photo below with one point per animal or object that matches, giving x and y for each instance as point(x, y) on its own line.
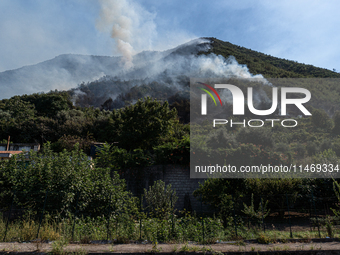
point(208, 92)
point(204, 97)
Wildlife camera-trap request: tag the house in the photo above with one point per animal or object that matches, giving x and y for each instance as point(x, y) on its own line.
point(8, 154)
point(10, 149)
point(19, 146)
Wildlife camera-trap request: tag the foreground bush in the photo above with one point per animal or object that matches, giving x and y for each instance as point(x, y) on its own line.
point(68, 181)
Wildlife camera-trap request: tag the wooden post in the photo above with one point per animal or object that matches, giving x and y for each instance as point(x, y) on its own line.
point(9, 138)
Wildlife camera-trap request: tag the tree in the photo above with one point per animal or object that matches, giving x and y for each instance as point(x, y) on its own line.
point(275, 191)
point(336, 120)
point(67, 178)
point(254, 214)
point(49, 104)
point(116, 158)
point(336, 188)
point(221, 195)
point(69, 141)
point(18, 108)
point(261, 136)
point(143, 124)
point(321, 119)
point(161, 200)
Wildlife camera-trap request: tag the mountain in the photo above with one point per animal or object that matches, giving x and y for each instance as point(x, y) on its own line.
point(92, 80)
point(166, 75)
point(103, 82)
point(62, 72)
point(269, 66)
point(68, 71)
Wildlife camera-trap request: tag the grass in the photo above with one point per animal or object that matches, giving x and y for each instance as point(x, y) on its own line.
point(189, 248)
point(188, 228)
point(265, 239)
point(155, 248)
point(58, 247)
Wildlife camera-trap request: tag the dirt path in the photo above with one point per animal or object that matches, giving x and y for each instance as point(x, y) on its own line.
point(170, 248)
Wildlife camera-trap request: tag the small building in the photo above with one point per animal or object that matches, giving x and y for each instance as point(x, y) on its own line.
point(19, 146)
point(8, 154)
point(10, 149)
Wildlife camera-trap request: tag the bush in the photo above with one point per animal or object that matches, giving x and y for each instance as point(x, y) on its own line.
point(325, 145)
point(219, 193)
point(336, 120)
point(261, 136)
point(220, 138)
point(119, 159)
point(250, 154)
point(336, 147)
point(311, 148)
point(161, 200)
point(143, 124)
point(69, 180)
point(282, 147)
point(173, 152)
point(321, 119)
point(254, 214)
point(300, 150)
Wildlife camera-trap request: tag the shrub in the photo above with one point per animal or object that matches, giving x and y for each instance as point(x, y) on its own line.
point(300, 150)
point(258, 214)
point(173, 152)
point(282, 147)
point(261, 136)
point(321, 119)
point(311, 148)
point(336, 119)
point(220, 138)
point(326, 144)
point(65, 179)
point(161, 200)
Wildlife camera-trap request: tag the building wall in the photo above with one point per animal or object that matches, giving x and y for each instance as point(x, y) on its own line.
point(20, 147)
point(178, 176)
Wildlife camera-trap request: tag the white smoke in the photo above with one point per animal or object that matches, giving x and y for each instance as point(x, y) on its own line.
point(168, 68)
point(133, 29)
point(171, 70)
point(131, 26)
point(183, 60)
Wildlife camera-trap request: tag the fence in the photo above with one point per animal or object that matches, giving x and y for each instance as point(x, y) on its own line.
point(280, 217)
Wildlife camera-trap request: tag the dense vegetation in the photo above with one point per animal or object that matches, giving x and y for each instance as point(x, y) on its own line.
point(269, 66)
point(69, 179)
point(154, 132)
point(143, 125)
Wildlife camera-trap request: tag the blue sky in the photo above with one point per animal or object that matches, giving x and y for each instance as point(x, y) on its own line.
point(306, 31)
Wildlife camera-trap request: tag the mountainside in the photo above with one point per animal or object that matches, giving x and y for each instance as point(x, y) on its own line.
point(68, 71)
point(269, 66)
point(60, 118)
point(62, 73)
point(167, 77)
point(103, 81)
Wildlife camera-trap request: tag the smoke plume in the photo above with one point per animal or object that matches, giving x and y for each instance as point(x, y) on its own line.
point(130, 25)
point(165, 75)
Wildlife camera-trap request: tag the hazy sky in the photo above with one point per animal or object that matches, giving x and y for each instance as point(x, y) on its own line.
point(32, 31)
